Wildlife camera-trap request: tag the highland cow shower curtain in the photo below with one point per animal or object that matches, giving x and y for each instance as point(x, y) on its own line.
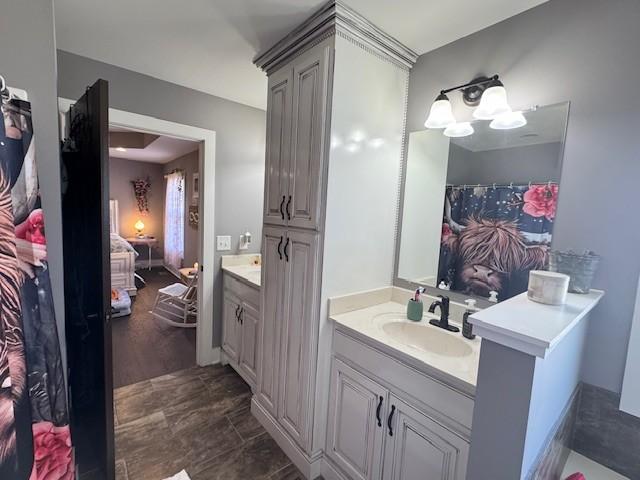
point(492, 236)
point(35, 442)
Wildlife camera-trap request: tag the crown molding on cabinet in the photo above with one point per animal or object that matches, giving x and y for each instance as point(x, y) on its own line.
point(333, 18)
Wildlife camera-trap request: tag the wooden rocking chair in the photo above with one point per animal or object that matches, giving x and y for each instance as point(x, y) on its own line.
point(177, 303)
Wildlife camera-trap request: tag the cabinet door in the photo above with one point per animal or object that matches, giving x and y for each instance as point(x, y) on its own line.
point(416, 447)
point(271, 313)
point(231, 327)
point(355, 430)
point(249, 320)
point(308, 138)
point(300, 319)
point(276, 187)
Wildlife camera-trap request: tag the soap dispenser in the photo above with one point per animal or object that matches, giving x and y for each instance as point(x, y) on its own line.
point(467, 328)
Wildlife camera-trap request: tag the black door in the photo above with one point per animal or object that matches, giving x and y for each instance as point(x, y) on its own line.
point(87, 281)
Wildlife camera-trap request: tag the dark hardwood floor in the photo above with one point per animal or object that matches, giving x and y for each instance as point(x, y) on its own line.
point(145, 347)
point(199, 420)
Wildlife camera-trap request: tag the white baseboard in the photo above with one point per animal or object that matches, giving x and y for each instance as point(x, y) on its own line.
point(330, 471)
point(311, 468)
point(209, 357)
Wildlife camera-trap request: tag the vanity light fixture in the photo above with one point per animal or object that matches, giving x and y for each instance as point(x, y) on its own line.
point(490, 96)
point(460, 129)
point(440, 115)
point(493, 101)
point(509, 120)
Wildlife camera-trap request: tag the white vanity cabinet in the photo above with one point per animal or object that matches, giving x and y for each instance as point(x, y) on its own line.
point(241, 318)
point(376, 430)
point(417, 447)
point(296, 116)
point(290, 278)
point(231, 335)
point(356, 429)
point(319, 93)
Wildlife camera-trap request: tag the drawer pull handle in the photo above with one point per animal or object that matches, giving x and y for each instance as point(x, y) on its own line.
point(280, 246)
point(378, 412)
point(282, 205)
point(393, 409)
point(286, 249)
point(240, 316)
point(237, 309)
point(288, 208)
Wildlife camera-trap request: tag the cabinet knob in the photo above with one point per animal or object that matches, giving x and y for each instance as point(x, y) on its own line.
point(378, 412)
point(282, 205)
point(393, 409)
point(280, 246)
point(288, 208)
point(286, 249)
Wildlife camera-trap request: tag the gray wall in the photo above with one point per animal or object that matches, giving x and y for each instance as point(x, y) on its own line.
point(190, 164)
point(240, 142)
point(520, 165)
point(28, 61)
point(121, 173)
point(584, 51)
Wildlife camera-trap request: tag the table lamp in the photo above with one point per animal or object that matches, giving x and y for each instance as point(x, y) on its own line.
point(139, 226)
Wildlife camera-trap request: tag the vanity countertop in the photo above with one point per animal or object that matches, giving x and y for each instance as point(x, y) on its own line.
point(532, 327)
point(454, 361)
point(246, 268)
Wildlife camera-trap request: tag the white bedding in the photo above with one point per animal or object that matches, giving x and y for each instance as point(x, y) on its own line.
point(123, 264)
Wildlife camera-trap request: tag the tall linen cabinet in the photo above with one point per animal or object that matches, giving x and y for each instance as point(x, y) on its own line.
point(336, 108)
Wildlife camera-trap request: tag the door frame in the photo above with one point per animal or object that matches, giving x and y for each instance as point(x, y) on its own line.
point(206, 354)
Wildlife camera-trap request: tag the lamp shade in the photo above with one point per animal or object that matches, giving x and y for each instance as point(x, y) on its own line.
point(509, 120)
point(461, 129)
point(139, 226)
point(440, 115)
point(493, 102)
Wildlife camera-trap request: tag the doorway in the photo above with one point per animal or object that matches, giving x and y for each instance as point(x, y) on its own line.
point(153, 211)
point(206, 354)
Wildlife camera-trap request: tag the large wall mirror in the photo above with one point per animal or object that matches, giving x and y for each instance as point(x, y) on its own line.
point(478, 211)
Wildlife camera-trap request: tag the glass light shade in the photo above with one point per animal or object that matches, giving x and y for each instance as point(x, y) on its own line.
point(462, 129)
point(139, 226)
point(509, 120)
point(440, 115)
point(493, 103)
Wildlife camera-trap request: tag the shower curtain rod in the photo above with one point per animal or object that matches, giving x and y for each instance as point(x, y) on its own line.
point(496, 185)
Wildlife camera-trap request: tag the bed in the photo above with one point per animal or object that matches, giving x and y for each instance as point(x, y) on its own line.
point(123, 256)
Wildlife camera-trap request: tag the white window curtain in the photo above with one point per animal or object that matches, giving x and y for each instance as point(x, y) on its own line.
point(174, 221)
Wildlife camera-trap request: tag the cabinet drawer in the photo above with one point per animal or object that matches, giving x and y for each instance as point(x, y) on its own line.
point(450, 407)
point(242, 290)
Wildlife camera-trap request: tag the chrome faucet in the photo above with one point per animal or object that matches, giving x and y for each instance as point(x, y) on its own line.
point(443, 304)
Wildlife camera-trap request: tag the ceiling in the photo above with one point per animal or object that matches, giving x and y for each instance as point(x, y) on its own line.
point(208, 45)
point(157, 149)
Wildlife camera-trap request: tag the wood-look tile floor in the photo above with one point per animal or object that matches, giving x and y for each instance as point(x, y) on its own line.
point(197, 419)
point(145, 347)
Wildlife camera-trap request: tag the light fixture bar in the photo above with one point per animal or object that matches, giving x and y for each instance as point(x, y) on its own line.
point(472, 83)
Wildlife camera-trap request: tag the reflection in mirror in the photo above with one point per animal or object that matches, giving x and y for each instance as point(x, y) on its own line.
point(479, 210)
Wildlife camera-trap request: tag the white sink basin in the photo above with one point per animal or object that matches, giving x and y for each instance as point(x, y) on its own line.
point(427, 338)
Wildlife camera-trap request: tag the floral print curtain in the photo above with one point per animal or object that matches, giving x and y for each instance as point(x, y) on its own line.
point(492, 236)
point(35, 441)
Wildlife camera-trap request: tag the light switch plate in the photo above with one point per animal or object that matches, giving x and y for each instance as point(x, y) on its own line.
point(223, 243)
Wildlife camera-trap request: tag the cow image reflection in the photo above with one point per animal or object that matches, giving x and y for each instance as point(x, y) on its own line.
point(492, 238)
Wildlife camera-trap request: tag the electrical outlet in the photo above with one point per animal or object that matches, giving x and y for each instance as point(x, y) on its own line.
point(223, 242)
